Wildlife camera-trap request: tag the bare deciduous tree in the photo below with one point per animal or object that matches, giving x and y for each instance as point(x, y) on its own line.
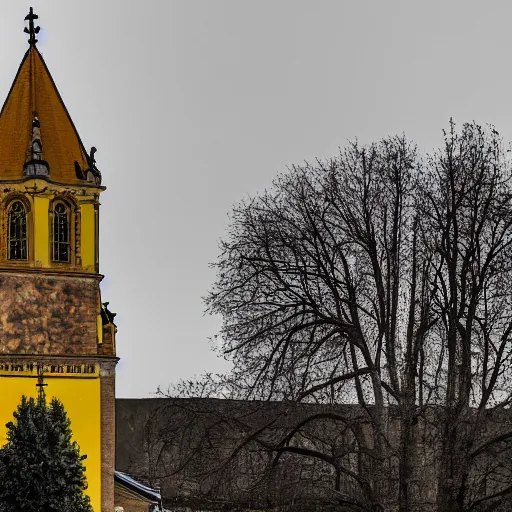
point(383, 280)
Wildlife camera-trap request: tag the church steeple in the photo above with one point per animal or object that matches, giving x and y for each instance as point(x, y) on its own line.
point(53, 321)
point(35, 102)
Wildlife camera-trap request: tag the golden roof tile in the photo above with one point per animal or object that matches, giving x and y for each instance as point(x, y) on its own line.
point(34, 95)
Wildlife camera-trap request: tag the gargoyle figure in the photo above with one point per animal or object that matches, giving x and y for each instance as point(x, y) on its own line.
point(92, 173)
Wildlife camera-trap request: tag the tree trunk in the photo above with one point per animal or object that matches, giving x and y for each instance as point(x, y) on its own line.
point(454, 463)
point(407, 452)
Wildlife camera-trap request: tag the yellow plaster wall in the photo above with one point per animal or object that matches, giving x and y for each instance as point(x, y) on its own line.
point(88, 229)
point(81, 399)
point(100, 329)
point(41, 231)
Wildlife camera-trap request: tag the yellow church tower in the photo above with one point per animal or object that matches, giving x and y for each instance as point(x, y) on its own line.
point(52, 321)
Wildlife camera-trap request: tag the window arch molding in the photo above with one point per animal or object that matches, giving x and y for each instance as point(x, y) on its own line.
point(64, 236)
point(17, 229)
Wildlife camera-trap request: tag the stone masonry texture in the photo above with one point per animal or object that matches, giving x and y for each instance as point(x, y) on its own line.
point(48, 314)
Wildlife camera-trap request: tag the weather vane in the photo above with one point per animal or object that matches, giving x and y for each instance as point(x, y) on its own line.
point(32, 30)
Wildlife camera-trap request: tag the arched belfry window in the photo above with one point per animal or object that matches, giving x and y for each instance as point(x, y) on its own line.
point(61, 233)
point(17, 231)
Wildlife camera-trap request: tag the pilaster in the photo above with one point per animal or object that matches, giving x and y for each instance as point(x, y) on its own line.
point(108, 433)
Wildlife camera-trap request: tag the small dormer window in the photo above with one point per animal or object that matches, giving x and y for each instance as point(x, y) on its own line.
point(36, 150)
point(17, 235)
point(35, 165)
point(61, 235)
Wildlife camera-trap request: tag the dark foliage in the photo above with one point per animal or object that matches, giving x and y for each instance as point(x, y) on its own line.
point(41, 467)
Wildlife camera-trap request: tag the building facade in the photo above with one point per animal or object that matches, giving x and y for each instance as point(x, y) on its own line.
point(53, 324)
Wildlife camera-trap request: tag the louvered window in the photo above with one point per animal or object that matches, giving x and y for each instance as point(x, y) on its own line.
point(17, 236)
point(61, 238)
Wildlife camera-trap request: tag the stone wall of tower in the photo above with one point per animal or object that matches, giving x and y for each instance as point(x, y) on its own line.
point(48, 314)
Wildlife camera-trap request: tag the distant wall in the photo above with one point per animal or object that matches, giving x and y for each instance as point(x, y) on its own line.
point(176, 443)
point(185, 447)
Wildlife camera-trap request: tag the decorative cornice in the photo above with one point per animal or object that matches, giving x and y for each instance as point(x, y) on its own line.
point(108, 368)
point(108, 361)
point(50, 271)
point(77, 186)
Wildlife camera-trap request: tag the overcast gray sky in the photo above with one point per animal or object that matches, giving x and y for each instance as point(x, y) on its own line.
point(193, 105)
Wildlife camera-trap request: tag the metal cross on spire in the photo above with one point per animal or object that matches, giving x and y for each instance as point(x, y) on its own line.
point(32, 31)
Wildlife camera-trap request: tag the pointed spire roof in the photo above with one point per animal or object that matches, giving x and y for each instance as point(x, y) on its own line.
point(34, 98)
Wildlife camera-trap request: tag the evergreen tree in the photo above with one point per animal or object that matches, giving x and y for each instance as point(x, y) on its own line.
point(41, 468)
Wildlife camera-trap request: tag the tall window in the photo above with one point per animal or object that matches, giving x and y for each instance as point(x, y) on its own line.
point(17, 236)
point(61, 238)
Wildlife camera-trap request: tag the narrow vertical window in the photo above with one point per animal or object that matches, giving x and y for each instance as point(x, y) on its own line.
point(61, 243)
point(17, 236)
